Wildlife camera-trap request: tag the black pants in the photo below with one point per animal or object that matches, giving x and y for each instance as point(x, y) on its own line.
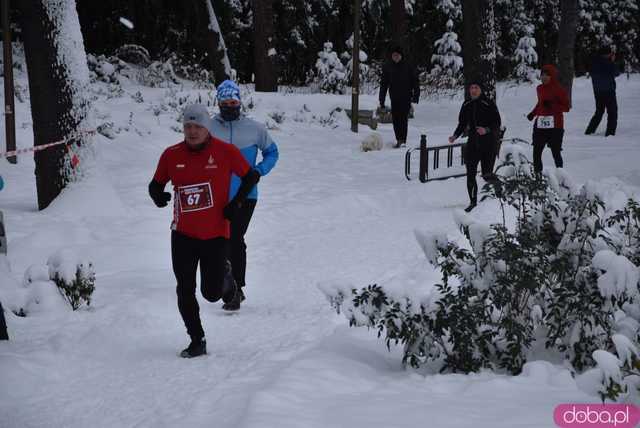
point(239, 227)
point(479, 151)
point(547, 137)
point(400, 116)
point(186, 253)
point(605, 101)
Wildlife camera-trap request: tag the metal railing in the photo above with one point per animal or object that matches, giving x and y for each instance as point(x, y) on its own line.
point(432, 154)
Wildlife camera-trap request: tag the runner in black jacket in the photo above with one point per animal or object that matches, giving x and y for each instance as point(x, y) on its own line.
point(479, 119)
point(603, 76)
point(401, 79)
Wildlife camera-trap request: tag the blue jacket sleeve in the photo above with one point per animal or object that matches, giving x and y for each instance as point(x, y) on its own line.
point(269, 151)
point(1, 183)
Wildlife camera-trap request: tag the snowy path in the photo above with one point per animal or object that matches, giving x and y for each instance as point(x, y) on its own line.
point(327, 212)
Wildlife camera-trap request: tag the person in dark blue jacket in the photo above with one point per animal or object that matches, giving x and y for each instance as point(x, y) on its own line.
point(603, 78)
point(250, 137)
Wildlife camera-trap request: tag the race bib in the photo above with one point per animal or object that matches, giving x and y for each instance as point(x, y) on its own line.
point(546, 122)
point(195, 197)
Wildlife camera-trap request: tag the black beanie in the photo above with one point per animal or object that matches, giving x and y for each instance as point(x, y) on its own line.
point(476, 82)
point(398, 49)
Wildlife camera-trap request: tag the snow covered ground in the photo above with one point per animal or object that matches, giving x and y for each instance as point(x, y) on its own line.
point(327, 212)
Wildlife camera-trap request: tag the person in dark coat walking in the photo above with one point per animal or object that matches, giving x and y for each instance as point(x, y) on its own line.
point(401, 79)
point(603, 77)
point(480, 120)
point(548, 128)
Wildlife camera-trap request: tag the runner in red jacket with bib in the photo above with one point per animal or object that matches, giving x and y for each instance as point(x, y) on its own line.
point(200, 170)
point(548, 127)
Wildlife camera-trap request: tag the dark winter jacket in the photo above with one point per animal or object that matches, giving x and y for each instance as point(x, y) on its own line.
point(603, 75)
point(402, 82)
point(479, 112)
point(553, 99)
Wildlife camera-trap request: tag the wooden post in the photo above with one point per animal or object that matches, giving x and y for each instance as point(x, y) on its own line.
point(9, 104)
point(355, 78)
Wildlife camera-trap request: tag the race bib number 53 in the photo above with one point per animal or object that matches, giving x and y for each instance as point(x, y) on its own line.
point(195, 197)
point(546, 122)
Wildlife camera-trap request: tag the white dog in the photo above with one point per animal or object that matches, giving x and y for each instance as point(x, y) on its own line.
point(371, 142)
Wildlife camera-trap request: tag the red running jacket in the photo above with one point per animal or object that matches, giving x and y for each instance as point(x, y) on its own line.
point(553, 99)
point(201, 186)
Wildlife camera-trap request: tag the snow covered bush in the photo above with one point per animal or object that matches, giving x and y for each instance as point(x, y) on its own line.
point(75, 278)
point(104, 69)
point(158, 75)
point(330, 75)
point(134, 54)
point(555, 275)
point(347, 60)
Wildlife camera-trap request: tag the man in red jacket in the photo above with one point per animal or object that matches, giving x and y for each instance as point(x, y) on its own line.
point(548, 128)
point(200, 169)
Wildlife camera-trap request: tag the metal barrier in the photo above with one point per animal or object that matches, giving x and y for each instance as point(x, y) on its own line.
point(4, 335)
point(3, 236)
point(433, 153)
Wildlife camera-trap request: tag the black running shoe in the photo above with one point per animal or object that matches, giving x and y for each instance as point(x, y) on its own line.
point(196, 348)
point(233, 305)
point(471, 206)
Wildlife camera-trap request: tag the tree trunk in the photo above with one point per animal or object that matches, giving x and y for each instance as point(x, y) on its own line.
point(479, 48)
point(398, 21)
point(264, 46)
point(566, 43)
point(58, 76)
point(209, 33)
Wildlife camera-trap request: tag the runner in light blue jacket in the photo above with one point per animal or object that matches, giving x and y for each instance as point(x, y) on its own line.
point(250, 137)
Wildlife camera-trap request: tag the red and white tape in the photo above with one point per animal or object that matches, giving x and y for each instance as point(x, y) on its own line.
point(44, 146)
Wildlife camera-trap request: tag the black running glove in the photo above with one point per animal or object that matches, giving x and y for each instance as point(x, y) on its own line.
point(249, 181)
point(157, 193)
point(231, 209)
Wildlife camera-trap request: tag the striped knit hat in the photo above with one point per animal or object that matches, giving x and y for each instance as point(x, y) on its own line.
point(228, 90)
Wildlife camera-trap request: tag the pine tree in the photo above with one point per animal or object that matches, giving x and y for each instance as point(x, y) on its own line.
point(296, 26)
point(447, 62)
point(526, 58)
point(608, 23)
point(452, 9)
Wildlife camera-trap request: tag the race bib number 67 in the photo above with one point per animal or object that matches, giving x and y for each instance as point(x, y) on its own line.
point(195, 197)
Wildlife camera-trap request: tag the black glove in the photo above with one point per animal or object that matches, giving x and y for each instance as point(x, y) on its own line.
point(157, 193)
point(416, 99)
point(530, 117)
point(231, 209)
point(162, 199)
point(546, 104)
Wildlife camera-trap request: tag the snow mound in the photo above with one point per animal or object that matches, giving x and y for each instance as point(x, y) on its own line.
point(371, 142)
point(92, 197)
